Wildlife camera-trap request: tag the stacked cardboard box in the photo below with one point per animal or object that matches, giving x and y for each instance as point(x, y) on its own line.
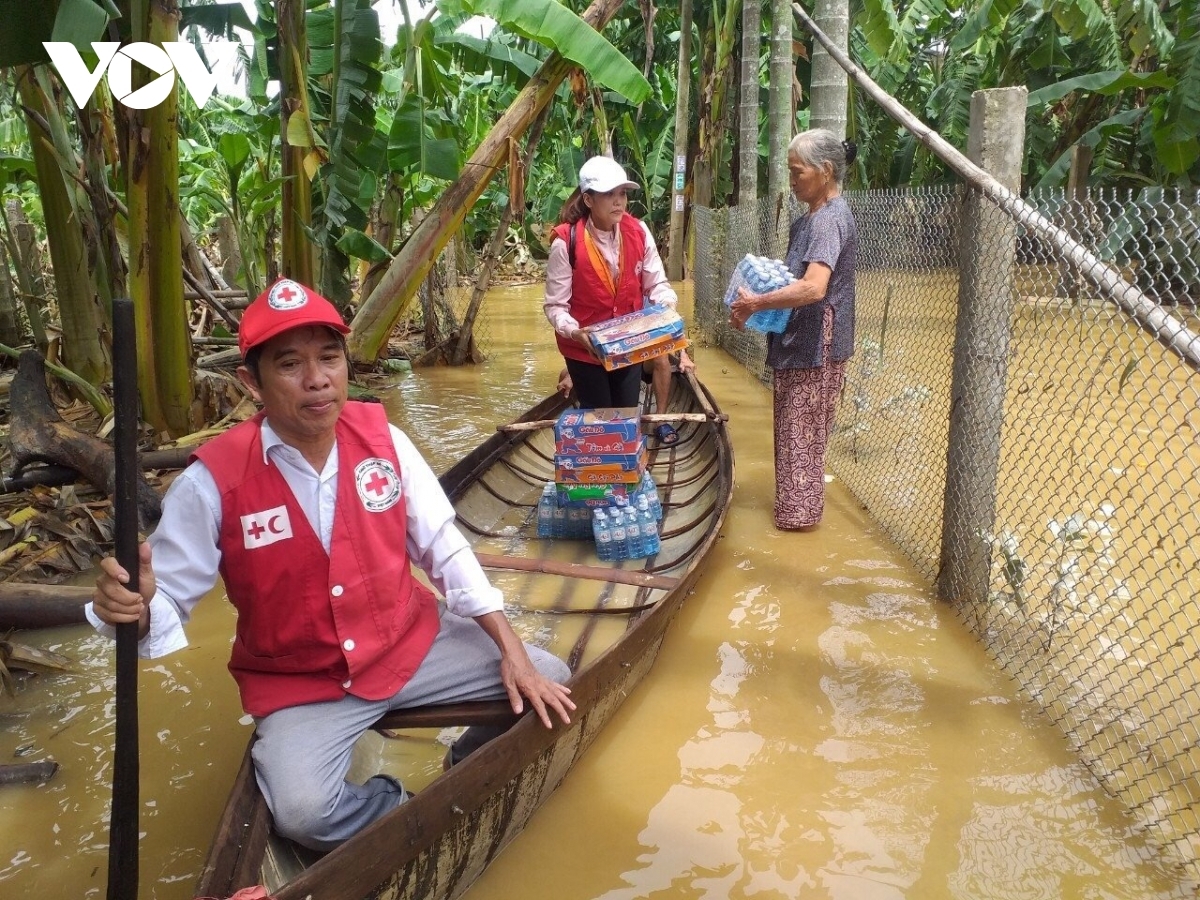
point(599, 455)
point(637, 336)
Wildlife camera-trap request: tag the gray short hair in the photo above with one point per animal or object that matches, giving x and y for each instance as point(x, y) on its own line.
point(819, 146)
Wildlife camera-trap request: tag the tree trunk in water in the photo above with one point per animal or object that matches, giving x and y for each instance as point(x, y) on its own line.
point(84, 322)
point(748, 90)
point(495, 248)
point(381, 310)
point(155, 260)
point(828, 93)
point(683, 101)
point(27, 259)
point(296, 208)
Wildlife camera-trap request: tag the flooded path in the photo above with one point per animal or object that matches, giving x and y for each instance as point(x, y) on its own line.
point(815, 726)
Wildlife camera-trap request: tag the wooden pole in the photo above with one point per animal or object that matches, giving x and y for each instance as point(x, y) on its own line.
point(123, 824)
point(1149, 315)
point(983, 334)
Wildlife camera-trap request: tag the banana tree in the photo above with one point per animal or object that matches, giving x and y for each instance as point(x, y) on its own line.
point(574, 42)
point(296, 140)
point(718, 32)
point(155, 249)
point(1123, 79)
point(69, 221)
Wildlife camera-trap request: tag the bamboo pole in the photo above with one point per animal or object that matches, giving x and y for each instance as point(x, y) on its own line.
point(649, 418)
point(1149, 315)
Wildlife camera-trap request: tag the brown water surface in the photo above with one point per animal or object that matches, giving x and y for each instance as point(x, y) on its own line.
point(816, 726)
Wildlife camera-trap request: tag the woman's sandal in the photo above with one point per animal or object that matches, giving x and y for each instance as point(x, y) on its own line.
point(666, 434)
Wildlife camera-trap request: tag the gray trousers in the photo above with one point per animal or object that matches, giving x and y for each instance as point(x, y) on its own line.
point(303, 752)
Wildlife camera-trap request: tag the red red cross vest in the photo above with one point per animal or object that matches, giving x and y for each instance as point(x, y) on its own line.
point(312, 626)
point(591, 300)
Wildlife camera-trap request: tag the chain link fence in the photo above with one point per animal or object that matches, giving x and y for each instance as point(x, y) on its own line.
point(1033, 449)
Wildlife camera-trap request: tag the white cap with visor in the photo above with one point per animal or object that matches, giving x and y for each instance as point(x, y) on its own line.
point(603, 174)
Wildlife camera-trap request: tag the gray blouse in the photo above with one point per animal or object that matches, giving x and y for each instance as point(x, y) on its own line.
point(827, 236)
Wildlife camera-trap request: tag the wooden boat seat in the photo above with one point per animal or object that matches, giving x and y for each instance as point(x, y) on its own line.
point(448, 715)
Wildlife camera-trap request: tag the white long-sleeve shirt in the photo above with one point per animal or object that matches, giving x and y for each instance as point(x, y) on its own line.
point(186, 556)
point(559, 276)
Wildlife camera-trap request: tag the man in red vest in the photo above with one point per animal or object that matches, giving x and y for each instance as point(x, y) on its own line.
point(312, 512)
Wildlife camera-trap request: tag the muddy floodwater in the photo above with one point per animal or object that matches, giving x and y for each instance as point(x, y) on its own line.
point(816, 725)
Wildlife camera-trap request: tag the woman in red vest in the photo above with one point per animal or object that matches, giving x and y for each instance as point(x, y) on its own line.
point(604, 263)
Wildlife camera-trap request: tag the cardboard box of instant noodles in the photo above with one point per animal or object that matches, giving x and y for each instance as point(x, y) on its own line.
point(637, 336)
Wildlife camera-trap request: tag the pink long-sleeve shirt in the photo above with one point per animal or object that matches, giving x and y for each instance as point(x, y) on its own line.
point(558, 276)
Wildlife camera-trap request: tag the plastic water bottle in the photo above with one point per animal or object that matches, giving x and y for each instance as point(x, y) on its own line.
point(545, 511)
point(649, 526)
point(602, 532)
point(650, 492)
point(620, 547)
point(634, 544)
point(558, 520)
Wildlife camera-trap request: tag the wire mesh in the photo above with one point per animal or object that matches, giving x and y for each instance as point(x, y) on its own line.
point(1032, 449)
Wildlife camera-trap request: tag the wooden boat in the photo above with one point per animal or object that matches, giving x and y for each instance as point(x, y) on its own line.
point(607, 620)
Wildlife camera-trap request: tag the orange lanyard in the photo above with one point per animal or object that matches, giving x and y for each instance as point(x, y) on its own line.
point(600, 264)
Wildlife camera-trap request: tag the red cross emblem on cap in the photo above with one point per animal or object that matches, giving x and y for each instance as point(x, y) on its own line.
point(287, 294)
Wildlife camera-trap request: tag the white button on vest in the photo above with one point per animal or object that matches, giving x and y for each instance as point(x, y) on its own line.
point(348, 644)
point(337, 590)
point(346, 684)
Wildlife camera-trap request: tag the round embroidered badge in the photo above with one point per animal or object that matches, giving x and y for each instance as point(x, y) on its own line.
point(377, 483)
point(287, 294)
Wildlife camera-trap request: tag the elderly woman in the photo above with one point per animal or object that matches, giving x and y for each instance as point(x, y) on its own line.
point(809, 356)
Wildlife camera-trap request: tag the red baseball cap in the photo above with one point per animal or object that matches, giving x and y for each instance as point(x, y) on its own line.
point(285, 304)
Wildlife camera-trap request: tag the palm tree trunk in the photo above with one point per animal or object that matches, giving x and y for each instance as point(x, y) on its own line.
point(748, 102)
point(380, 311)
point(828, 92)
point(780, 124)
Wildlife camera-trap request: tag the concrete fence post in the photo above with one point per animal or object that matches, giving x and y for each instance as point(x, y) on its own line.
point(981, 344)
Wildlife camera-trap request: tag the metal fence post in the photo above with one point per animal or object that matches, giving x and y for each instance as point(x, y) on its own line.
point(981, 341)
